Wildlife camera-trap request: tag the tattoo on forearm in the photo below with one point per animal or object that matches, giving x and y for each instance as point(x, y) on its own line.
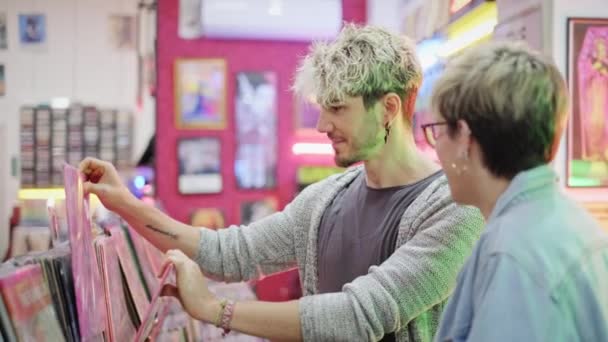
point(171, 235)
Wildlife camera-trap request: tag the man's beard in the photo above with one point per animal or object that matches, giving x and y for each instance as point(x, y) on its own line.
point(361, 151)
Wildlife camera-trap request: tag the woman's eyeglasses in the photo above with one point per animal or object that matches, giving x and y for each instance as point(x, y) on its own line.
point(431, 133)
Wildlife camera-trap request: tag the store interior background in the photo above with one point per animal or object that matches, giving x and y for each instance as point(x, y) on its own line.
point(78, 63)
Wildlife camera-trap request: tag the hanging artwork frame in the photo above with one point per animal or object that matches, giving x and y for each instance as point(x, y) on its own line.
point(200, 93)
point(587, 70)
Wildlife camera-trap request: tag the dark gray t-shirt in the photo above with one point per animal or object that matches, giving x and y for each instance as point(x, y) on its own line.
point(359, 229)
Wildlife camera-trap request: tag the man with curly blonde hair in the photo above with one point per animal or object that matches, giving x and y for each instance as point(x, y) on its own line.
point(378, 246)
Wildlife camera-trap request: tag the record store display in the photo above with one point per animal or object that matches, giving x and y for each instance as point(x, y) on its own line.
point(98, 284)
point(52, 136)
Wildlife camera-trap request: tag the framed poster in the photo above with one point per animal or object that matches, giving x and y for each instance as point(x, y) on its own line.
point(255, 210)
point(200, 93)
point(2, 81)
point(309, 174)
point(588, 83)
point(3, 32)
point(122, 31)
point(256, 130)
point(212, 218)
point(199, 166)
point(32, 29)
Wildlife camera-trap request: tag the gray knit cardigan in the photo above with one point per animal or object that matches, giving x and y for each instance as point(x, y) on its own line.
point(405, 294)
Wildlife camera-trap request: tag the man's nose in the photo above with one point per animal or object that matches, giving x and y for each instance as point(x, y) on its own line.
point(323, 124)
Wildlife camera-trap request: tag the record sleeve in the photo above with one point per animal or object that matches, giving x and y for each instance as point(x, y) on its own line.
point(90, 299)
point(28, 303)
point(120, 325)
point(135, 286)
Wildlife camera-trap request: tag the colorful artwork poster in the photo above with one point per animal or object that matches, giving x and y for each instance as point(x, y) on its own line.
point(212, 218)
point(32, 29)
point(256, 130)
point(588, 83)
point(200, 92)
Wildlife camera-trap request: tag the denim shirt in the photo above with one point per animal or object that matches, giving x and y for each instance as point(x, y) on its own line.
point(538, 273)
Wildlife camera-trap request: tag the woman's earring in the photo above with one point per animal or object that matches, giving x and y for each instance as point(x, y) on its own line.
point(465, 157)
point(460, 170)
point(456, 169)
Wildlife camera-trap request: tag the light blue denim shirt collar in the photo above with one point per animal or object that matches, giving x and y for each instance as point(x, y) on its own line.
point(524, 183)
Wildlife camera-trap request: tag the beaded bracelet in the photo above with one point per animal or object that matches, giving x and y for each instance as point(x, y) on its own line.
point(218, 320)
point(225, 316)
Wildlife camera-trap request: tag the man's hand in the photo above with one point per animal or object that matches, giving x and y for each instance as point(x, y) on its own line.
point(102, 179)
point(191, 289)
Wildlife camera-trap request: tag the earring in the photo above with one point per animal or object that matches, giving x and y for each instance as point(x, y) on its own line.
point(387, 129)
point(465, 157)
point(456, 169)
point(460, 170)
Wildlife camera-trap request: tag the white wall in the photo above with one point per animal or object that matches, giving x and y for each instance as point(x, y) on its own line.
point(562, 9)
point(77, 62)
point(385, 13)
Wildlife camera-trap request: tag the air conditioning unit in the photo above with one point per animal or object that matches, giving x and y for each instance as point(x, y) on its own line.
point(296, 20)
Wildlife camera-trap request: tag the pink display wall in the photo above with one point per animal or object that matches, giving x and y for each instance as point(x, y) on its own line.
point(240, 55)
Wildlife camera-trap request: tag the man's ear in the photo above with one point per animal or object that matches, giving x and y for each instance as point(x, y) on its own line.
point(391, 104)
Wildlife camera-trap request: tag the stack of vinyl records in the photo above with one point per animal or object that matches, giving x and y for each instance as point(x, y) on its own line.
point(107, 139)
point(75, 135)
point(123, 139)
point(52, 136)
point(26, 308)
point(59, 142)
point(120, 325)
point(28, 146)
point(91, 132)
point(43, 146)
point(97, 285)
point(57, 277)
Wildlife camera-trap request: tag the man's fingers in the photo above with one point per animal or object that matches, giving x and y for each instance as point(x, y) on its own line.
point(93, 169)
point(95, 175)
point(174, 258)
point(169, 290)
point(92, 188)
point(86, 165)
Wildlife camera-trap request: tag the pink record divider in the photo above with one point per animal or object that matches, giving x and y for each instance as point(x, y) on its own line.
point(159, 307)
point(120, 326)
point(88, 285)
point(134, 284)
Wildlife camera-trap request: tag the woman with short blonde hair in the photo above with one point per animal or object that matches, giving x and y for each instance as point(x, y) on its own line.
point(540, 270)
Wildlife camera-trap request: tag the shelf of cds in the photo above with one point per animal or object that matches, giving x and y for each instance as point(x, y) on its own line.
point(98, 282)
point(52, 136)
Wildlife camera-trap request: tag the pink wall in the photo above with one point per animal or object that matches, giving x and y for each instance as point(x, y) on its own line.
point(240, 55)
